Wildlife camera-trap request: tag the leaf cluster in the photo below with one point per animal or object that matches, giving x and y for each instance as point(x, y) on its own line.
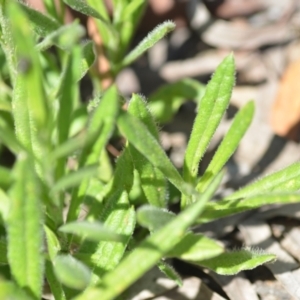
point(69, 215)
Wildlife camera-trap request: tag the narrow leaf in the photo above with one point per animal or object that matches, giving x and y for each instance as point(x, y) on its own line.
point(216, 210)
point(9, 290)
point(119, 217)
point(74, 178)
point(24, 228)
point(195, 247)
point(233, 262)
point(82, 7)
point(3, 251)
point(152, 38)
point(29, 94)
point(229, 144)
point(170, 272)
point(152, 248)
point(95, 231)
point(153, 218)
point(100, 128)
point(152, 180)
point(284, 181)
point(5, 204)
point(55, 285)
point(165, 102)
point(72, 272)
point(211, 109)
point(65, 37)
point(42, 24)
point(138, 135)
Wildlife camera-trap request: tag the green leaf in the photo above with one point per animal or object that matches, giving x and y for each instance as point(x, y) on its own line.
point(87, 59)
point(8, 138)
point(42, 24)
point(170, 272)
point(139, 136)
point(101, 126)
point(74, 178)
point(30, 107)
point(165, 102)
point(131, 8)
point(53, 244)
point(233, 262)
point(82, 7)
point(149, 252)
point(24, 228)
point(72, 272)
point(229, 144)
point(195, 247)
point(7, 43)
point(100, 129)
point(223, 208)
point(152, 180)
point(152, 38)
point(3, 251)
point(10, 291)
point(55, 285)
point(211, 109)
point(283, 181)
point(118, 216)
point(100, 7)
point(5, 204)
point(5, 178)
point(95, 231)
point(65, 37)
point(153, 218)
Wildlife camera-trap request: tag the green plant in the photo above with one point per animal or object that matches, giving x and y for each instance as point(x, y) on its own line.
point(61, 164)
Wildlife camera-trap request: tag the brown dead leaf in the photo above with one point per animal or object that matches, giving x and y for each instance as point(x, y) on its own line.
point(285, 116)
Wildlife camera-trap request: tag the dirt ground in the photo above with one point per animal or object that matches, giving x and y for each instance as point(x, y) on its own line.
point(264, 36)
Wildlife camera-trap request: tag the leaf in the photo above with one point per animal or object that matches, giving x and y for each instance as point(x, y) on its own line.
point(94, 231)
point(5, 204)
point(74, 178)
point(55, 285)
point(3, 251)
point(87, 59)
point(195, 247)
point(71, 272)
point(24, 228)
point(285, 181)
point(65, 37)
point(138, 135)
point(53, 244)
point(7, 43)
point(5, 178)
point(30, 107)
point(153, 182)
point(152, 38)
point(119, 217)
point(233, 262)
point(100, 128)
point(8, 138)
point(170, 272)
point(211, 109)
point(223, 208)
point(152, 248)
point(10, 291)
point(42, 24)
point(229, 144)
point(82, 7)
point(165, 102)
point(154, 218)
